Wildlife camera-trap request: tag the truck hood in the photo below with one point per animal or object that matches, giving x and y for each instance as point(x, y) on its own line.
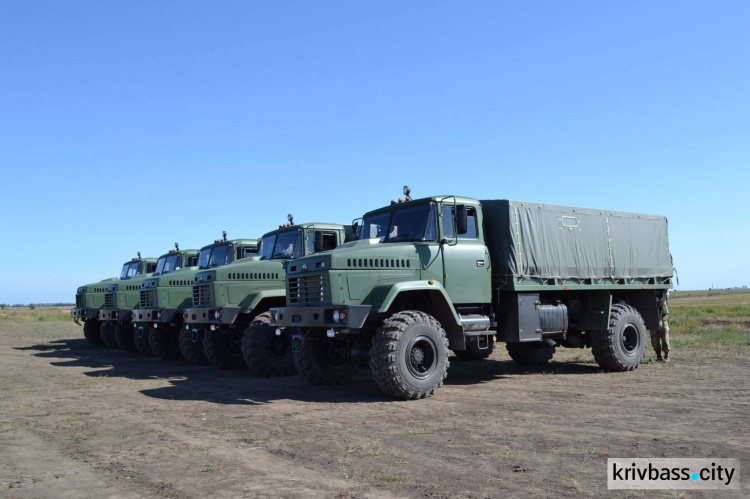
point(364, 254)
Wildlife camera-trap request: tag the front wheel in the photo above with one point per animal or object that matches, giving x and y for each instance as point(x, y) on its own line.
point(265, 353)
point(224, 349)
point(124, 337)
point(107, 333)
point(164, 342)
point(322, 361)
point(622, 346)
point(91, 333)
point(409, 355)
point(191, 346)
point(141, 337)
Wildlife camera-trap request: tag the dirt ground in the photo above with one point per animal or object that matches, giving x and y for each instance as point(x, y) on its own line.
point(76, 421)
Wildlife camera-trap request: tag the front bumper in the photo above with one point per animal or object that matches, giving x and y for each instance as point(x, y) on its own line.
point(315, 316)
point(113, 314)
point(211, 315)
point(84, 313)
point(164, 315)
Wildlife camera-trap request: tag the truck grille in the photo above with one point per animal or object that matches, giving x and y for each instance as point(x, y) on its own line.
point(305, 289)
point(148, 298)
point(109, 300)
point(202, 295)
point(80, 300)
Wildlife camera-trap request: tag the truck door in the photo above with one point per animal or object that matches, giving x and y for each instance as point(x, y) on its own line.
point(467, 262)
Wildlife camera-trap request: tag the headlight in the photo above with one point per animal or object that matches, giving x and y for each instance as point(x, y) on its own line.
point(336, 316)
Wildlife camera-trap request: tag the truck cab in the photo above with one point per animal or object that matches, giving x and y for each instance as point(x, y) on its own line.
point(158, 316)
point(155, 302)
point(120, 297)
point(90, 298)
point(228, 299)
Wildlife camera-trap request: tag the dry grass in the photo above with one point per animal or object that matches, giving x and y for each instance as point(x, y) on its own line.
point(39, 314)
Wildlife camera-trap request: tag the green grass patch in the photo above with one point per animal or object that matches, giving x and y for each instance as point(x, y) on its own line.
point(707, 319)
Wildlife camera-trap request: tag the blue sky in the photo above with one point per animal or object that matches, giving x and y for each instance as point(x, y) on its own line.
point(127, 126)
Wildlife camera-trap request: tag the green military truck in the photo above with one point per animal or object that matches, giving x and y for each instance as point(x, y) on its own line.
point(236, 298)
point(450, 272)
point(90, 298)
point(161, 300)
point(119, 299)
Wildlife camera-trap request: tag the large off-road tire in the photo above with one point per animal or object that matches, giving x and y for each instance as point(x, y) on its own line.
point(191, 346)
point(322, 361)
point(622, 346)
point(409, 355)
point(537, 353)
point(473, 352)
point(224, 349)
point(91, 333)
point(165, 343)
point(107, 333)
point(124, 337)
point(265, 353)
point(141, 335)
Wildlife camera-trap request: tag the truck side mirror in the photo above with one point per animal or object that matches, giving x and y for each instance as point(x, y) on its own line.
point(462, 223)
point(318, 244)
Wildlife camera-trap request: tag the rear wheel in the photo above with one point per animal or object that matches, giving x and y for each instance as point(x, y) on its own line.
point(265, 353)
point(141, 336)
point(409, 355)
point(107, 333)
point(191, 345)
point(622, 346)
point(124, 337)
point(322, 361)
point(91, 333)
point(224, 349)
point(537, 353)
point(165, 343)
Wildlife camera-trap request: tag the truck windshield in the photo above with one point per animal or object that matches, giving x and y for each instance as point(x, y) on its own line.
point(415, 223)
point(130, 270)
point(215, 256)
point(167, 264)
point(283, 245)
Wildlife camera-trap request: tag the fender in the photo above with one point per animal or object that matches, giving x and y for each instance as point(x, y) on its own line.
point(253, 299)
point(382, 296)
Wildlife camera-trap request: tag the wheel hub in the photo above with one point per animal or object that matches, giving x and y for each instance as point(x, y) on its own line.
point(630, 339)
point(417, 357)
point(278, 346)
point(421, 357)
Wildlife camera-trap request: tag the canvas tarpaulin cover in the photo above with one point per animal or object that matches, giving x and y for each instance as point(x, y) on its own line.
point(565, 242)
